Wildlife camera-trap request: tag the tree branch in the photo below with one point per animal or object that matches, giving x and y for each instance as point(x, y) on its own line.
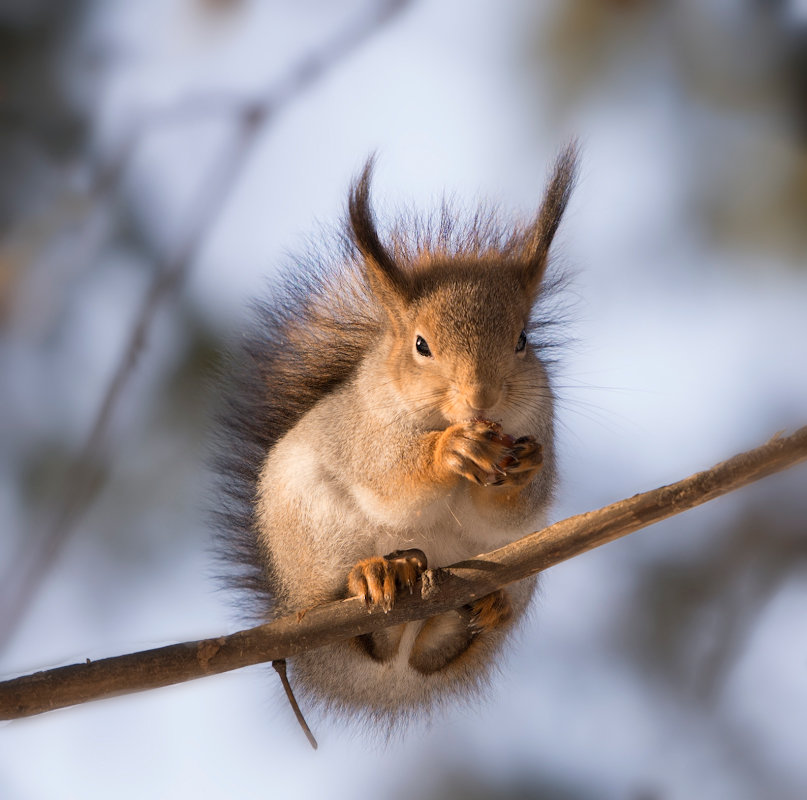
point(441, 590)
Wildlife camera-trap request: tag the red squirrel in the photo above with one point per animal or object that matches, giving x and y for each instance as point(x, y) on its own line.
point(393, 410)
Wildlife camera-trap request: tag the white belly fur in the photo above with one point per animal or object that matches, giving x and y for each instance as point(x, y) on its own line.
point(343, 525)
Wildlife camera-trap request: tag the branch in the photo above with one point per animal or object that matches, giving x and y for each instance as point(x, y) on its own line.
point(251, 117)
point(441, 590)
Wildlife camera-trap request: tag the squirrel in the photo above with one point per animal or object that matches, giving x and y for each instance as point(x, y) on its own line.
point(393, 409)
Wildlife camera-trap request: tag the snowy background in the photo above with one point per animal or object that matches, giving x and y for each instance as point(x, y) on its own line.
point(672, 664)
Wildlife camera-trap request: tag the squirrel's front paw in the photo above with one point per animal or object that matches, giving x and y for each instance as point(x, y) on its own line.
point(481, 452)
point(378, 578)
point(527, 458)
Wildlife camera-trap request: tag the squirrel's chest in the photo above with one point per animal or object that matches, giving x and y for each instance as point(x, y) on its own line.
point(447, 526)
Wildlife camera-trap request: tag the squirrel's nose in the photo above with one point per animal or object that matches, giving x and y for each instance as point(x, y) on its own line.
point(481, 399)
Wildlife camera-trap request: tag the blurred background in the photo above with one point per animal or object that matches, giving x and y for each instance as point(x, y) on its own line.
point(160, 160)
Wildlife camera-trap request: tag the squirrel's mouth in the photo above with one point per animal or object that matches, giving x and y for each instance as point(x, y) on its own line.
point(466, 407)
point(469, 414)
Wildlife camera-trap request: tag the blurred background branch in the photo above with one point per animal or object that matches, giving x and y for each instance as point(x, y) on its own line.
point(249, 119)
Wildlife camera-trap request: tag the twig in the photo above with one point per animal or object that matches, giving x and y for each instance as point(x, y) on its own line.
point(279, 665)
point(441, 590)
point(251, 118)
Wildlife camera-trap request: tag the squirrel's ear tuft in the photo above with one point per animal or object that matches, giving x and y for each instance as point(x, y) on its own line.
point(385, 276)
point(540, 234)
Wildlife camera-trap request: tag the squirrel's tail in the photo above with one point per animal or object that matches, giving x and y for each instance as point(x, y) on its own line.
point(305, 340)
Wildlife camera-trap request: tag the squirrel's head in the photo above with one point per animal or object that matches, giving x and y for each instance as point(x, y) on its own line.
point(457, 318)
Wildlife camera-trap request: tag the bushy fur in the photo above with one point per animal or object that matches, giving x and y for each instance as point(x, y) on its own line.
point(310, 343)
point(277, 373)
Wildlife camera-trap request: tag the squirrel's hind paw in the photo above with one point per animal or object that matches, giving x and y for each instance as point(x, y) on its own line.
point(490, 612)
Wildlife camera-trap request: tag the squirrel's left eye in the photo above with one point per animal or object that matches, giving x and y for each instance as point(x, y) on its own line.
point(522, 342)
point(422, 347)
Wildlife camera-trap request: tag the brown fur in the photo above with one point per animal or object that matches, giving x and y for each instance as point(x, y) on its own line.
point(391, 402)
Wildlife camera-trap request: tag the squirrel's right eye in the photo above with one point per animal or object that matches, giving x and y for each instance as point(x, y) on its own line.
point(422, 347)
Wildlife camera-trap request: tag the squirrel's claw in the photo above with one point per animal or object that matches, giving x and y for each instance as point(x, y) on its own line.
point(377, 579)
point(490, 612)
point(482, 453)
